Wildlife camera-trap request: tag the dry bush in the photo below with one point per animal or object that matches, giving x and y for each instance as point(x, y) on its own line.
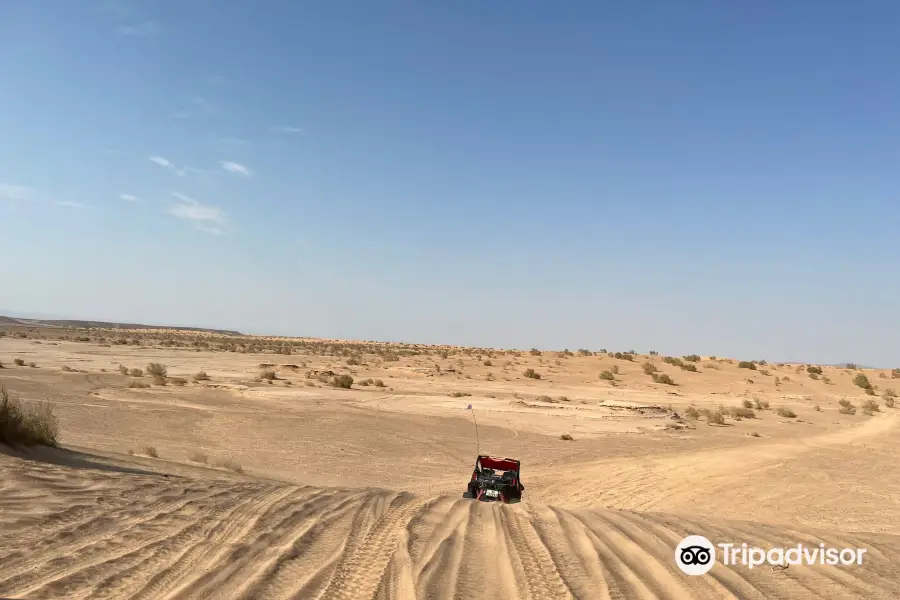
point(151, 451)
point(28, 425)
point(268, 374)
point(64, 368)
point(760, 404)
point(649, 368)
point(177, 381)
point(136, 373)
point(817, 408)
point(607, 376)
point(123, 369)
point(814, 370)
point(692, 358)
point(747, 403)
point(459, 394)
point(488, 363)
point(714, 417)
point(199, 457)
point(671, 360)
point(691, 367)
point(566, 437)
point(532, 374)
point(18, 362)
point(157, 369)
point(870, 405)
point(342, 381)
point(813, 376)
point(889, 401)
point(746, 364)
point(379, 383)
point(742, 412)
point(138, 385)
point(201, 376)
point(230, 464)
point(159, 380)
point(692, 413)
point(786, 412)
point(663, 378)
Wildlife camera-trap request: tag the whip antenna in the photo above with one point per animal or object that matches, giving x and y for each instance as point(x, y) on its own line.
point(477, 437)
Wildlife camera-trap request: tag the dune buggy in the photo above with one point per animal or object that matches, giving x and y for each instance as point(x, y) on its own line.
point(495, 480)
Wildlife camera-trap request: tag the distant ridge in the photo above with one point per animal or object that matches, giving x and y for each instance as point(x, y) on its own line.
point(104, 325)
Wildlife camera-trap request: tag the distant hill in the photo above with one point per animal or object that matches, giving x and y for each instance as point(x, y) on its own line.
point(104, 325)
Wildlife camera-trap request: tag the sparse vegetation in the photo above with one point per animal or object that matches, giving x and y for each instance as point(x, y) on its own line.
point(692, 358)
point(786, 413)
point(746, 364)
point(870, 406)
point(607, 376)
point(26, 424)
point(151, 451)
point(691, 367)
point(268, 374)
point(649, 368)
point(123, 369)
point(201, 376)
point(566, 437)
point(759, 404)
point(342, 381)
point(488, 363)
point(742, 412)
point(198, 457)
point(814, 370)
point(159, 380)
point(177, 381)
point(18, 362)
point(459, 394)
point(136, 373)
point(714, 417)
point(378, 383)
point(230, 464)
point(157, 370)
point(671, 360)
point(138, 384)
point(692, 413)
point(532, 374)
point(663, 378)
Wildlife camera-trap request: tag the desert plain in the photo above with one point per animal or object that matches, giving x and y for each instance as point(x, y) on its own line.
point(247, 471)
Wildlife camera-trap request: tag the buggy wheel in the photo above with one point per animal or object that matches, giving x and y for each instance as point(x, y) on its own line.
point(468, 495)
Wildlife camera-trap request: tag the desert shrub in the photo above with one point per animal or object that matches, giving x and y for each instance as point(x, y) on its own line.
point(870, 405)
point(786, 412)
point(746, 364)
point(895, 373)
point(817, 408)
point(378, 383)
point(689, 367)
point(847, 409)
point(177, 380)
point(715, 418)
point(614, 369)
point(566, 437)
point(607, 376)
point(158, 380)
point(889, 393)
point(352, 361)
point(138, 384)
point(157, 370)
point(544, 399)
point(342, 381)
point(201, 376)
point(18, 362)
point(663, 378)
point(760, 404)
point(123, 369)
point(862, 381)
point(531, 374)
point(692, 358)
point(230, 464)
point(889, 401)
point(692, 413)
point(813, 369)
point(268, 374)
point(28, 425)
point(151, 451)
point(671, 360)
point(32, 365)
point(459, 394)
point(64, 368)
point(488, 363)
point(649, 368)
point(813, 376)
point(742, 412)
point(199, 457)
point(136, 373)
point(764, 372)
point(563, 399)
point(826, 380)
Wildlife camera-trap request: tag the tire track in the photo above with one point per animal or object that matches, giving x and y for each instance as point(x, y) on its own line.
point(542, 578)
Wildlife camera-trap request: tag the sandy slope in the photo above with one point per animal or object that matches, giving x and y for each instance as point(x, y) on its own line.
point(357, 494)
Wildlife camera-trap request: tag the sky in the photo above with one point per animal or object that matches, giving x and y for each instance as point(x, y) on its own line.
point(701, 176)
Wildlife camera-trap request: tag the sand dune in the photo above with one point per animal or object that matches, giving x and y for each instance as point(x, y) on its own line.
point(357, 493)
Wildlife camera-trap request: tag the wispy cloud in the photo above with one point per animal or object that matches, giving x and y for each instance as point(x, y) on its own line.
point(145, 29)
point(199, 106)
point(165, 163)
point(233, 167)
point(287, 129)
point(18, 193)
point(68, 204)
point(205, 217)
point(129, 198)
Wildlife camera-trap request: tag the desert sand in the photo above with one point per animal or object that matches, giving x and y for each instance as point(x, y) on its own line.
point(289, 487)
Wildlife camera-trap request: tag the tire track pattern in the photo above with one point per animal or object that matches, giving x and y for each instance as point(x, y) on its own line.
point(97, 537)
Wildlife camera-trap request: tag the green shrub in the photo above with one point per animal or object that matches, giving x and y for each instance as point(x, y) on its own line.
point(812, 369)
point(862, 381)
point(671, 360)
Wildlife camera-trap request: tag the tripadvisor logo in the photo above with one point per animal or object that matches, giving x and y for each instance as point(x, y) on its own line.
point(696, 555)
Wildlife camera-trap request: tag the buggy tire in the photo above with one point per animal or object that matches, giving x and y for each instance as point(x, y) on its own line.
point(468, 495)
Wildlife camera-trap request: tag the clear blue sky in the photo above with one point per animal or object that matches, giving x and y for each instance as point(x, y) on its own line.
point(701, 176)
